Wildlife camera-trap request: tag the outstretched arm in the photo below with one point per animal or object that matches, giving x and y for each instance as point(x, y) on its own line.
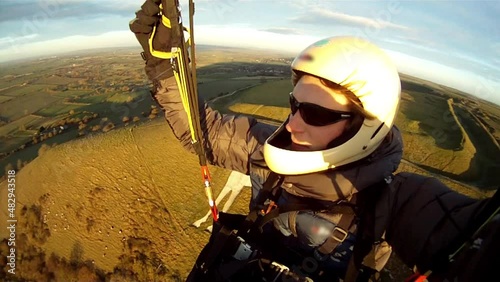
point(427, 220)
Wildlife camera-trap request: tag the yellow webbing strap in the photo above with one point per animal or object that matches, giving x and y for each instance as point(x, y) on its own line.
point(163, 54)
point(181, 82)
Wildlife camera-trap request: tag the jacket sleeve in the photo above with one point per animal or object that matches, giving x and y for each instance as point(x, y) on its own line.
point(229, 140)
point(427, 219)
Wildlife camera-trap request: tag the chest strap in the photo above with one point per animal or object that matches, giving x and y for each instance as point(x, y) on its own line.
point(339, 234)
point(344, 225)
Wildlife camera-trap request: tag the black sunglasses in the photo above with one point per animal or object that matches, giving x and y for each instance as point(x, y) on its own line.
point(317, 115)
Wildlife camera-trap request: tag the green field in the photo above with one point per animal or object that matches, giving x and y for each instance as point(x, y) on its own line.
point(25, 105)
point(11, 137)
point(434, 117)
point(20, 90)
point(10, 143)
point(271, 93)
point(71, 93)
point(57, 80)
point(57, 109)
point(124, 97)
point(211, 89)
point(12, 127)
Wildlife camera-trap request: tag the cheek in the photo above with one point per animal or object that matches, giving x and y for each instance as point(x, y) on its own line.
point(331, 132)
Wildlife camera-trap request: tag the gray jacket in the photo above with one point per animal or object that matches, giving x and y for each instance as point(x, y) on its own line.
point(410, 214)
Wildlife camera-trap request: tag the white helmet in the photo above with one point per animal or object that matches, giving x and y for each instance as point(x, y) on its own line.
point(343, 60)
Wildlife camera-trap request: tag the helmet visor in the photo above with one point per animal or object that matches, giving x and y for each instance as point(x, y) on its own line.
point(317, 115)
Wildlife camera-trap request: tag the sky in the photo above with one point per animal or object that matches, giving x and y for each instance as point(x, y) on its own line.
point(455, 43)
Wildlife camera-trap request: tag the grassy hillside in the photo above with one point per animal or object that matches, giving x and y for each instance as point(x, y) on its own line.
point(106, 200)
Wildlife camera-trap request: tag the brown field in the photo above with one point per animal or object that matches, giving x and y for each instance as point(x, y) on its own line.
point(152, 218)
point(20, 90)
point(13, 127)
point(56, 80)
point(25, 105)
point(4, 99)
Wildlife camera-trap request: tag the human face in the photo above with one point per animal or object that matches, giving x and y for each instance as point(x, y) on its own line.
point(306, 137)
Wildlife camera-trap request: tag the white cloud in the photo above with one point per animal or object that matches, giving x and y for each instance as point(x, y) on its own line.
point(322, 16)
point(252, 38)
point(283, 30)
point(464, 80)
point(68, 44)
point(9, 40)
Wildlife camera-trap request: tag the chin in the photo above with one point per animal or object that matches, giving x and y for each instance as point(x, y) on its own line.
point(298, 147)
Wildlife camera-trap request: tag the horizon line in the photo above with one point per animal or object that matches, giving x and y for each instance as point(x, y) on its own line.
point(249, 48)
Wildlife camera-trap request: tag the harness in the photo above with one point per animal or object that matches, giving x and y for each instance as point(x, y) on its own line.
point(237, 242)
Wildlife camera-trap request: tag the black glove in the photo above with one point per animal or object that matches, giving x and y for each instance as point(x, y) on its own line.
point(142, 26)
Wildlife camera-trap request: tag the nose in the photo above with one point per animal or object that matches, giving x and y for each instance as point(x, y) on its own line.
point(295, 123)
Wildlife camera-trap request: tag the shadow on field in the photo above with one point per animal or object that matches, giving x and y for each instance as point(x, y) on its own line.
point(110, 116)
point(433, 114)
point(238, 69)
point(453, 128)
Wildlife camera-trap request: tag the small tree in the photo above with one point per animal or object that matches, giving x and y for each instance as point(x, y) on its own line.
point(82, 126)
point(136, 119)
point(8, 167)
point(108, 127)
